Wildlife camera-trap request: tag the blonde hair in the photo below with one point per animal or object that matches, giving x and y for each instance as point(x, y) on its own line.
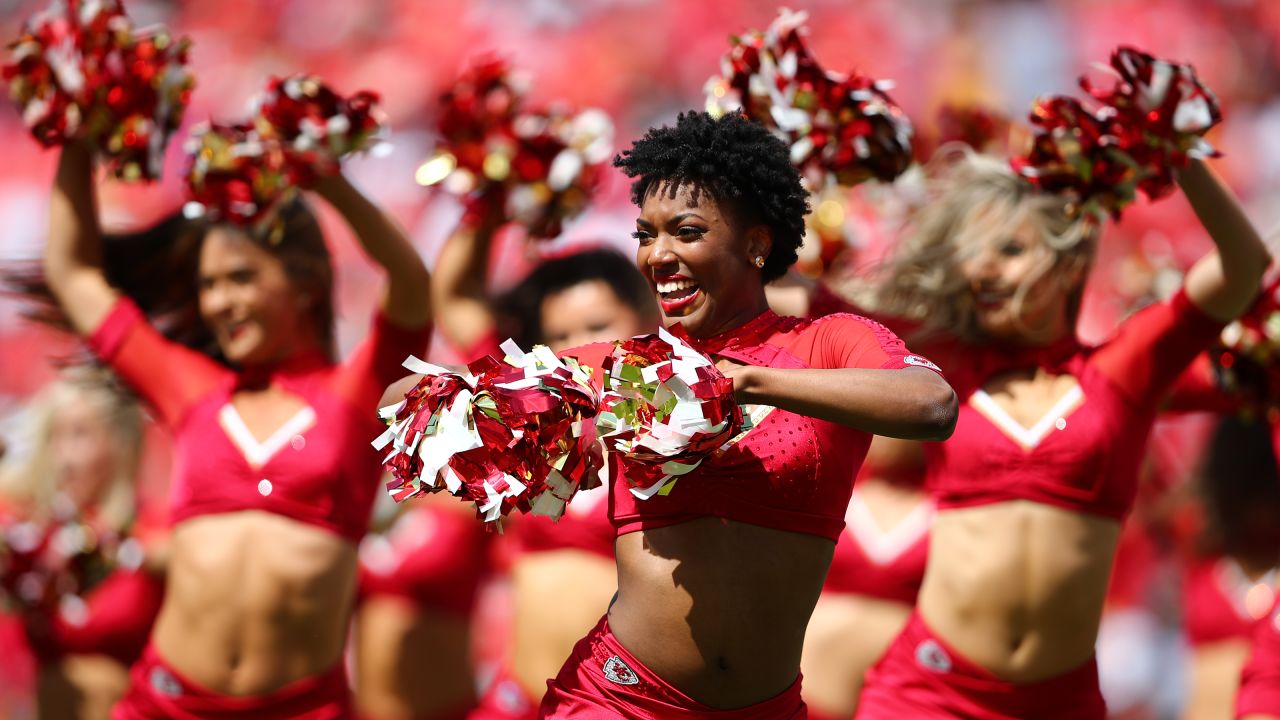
point(968, 195)
point(32, 483)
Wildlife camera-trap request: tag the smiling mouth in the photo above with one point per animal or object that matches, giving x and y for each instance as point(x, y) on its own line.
point(677, 294)
point(990, 298)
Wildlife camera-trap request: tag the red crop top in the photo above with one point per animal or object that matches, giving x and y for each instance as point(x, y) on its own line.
point(788, 472)
point(1084, 454)
point(1221, 603)
point(874, 563)
point(116, 621)
point(317, 468)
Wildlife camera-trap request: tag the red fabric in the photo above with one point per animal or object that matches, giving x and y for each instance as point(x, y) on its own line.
point(1213, 609)
point(505, 699)
point(921, 678)
point(584, 526)
point(121, 610)
point(584, 691)
point(1260, 682)
point(488, 344)
point(1090, 462)
point(790, 472)
point(872, 563)
point(432, 556)
point(158, 692)
point(324, 475)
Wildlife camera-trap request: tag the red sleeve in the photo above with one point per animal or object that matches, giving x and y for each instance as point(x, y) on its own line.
point(166, 375)
point(1153, 348)
point(487, 344)
point(844, 340)
point(1196, 390)
point(378, 361)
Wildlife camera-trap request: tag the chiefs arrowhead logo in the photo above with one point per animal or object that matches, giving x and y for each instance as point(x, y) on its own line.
point(616, 671)
point(929, 654)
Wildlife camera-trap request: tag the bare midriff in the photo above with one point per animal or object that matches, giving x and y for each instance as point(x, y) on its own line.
point(718, 608)
point(558, 597)
point(254, 601)
point(1018, 587)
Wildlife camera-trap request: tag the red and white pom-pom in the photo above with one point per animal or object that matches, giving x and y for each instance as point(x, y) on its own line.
point(506, 435)
point(82, 72)
point(316, 126)
point(540, 166)
point(665, 409)
point(1144, 128)
point(841, 128)
point(238, 175)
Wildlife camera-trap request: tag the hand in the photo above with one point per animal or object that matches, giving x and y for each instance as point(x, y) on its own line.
point(740, 374)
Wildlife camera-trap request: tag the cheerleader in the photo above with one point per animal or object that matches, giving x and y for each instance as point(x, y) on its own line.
point(1259, 697)
point(1032, 489)
point(562, 573)
point(274, 478)
point(717, 579)
point(87, 436)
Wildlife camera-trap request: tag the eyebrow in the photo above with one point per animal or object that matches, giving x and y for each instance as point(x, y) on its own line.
point(682, 216)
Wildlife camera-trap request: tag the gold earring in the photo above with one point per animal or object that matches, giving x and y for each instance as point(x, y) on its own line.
point(759, 261)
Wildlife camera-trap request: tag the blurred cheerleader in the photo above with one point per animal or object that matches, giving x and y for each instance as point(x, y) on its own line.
point(1259, 696)
point(274, 477)
point(562, 573)
point(1043, 466)
point(874, 578)
point(1230, 581)
point(87, 440)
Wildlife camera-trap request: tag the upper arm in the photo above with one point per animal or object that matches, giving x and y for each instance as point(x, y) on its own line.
point(1152, 349)
point(169, 377)
point(84, 297)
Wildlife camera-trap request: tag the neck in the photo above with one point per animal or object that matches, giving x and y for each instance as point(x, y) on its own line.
point(748, 312)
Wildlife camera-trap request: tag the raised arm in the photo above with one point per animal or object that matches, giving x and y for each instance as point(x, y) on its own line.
point(1223, 283)
point(911, 403)
point(73, 252)
point(407, 300)
point(458, 291)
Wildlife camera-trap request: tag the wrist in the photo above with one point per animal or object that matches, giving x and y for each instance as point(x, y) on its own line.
point(747, 384)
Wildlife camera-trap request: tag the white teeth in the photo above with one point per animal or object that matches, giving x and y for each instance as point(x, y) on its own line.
point(674, 285)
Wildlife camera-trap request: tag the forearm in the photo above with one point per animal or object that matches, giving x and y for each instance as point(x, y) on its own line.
point(73, 251)
point(911, 403)
point(1222, 284)
point(459, 291)
point(407, 300)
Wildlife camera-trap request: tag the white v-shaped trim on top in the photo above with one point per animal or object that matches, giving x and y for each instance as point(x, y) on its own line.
point(882, 547)
point(1030, 437)
point(258, 453)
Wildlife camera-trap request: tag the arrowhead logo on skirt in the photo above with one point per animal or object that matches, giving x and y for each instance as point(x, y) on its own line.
point(930, 655)
point(616, 671)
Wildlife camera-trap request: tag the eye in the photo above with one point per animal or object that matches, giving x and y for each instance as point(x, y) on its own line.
point(242, 277)
point(1012, 248)
point(691, 232)
point(642, 236)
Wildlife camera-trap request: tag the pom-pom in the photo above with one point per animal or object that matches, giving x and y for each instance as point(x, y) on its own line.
point(1148, 123)
point(839, 127)
point(315, 125)
point(48, 567)
point(300, 131)
point(665, 409)
point(82, 72)
point(1246, 360)
point(978, 127)
point(538, 168)
point(510, 434)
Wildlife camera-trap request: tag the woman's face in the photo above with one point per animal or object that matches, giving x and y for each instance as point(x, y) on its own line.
point(83, 446)
point(585, 313)
point(997, 265)
point(257, 315)
point(699, 261)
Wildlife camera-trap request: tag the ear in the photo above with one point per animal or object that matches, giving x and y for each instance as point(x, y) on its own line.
point(759, 242)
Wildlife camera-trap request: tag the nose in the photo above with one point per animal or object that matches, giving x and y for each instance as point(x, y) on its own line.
point(214, 300)
point(662, 252)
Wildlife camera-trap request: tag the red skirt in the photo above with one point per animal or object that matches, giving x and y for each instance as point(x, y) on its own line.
point(505, 699)
point(157, 691)
point(1260, 682)
point(921, 677)
point(602, 681)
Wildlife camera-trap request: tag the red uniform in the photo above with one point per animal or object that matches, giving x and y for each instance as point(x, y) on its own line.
point(1221, 603)
point(874, 563)
point(116, 622)
point(317, 468)
point(789, 472)
point(1260, 682)
point(1082, 456)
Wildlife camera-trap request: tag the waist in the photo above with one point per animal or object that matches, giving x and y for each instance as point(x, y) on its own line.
point(254, 601)
point(718, 608)
point(1019, 587)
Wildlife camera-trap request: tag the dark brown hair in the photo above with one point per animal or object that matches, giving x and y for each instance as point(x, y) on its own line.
point(158, 267)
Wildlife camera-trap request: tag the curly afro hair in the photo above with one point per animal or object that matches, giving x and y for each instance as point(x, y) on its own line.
point(735, 161)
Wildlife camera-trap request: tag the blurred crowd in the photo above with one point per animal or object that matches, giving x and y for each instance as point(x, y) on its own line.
point(642, 61)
